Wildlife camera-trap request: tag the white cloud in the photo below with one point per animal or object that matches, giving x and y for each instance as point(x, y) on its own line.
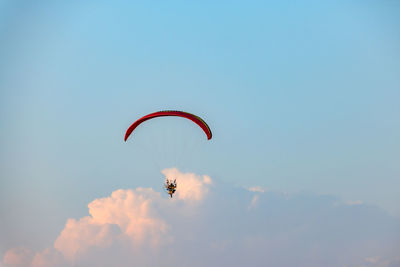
point(257, 189)
point(191, 187)
point(18, 256)
point(49, 258)
point(207, 224)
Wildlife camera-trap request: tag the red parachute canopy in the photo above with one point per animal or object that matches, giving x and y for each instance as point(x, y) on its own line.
point(203, 125)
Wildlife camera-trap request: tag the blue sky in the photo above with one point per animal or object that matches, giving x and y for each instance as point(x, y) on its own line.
point(301, 97)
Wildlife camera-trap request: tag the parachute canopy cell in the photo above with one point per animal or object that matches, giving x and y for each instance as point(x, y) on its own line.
point(199, 121)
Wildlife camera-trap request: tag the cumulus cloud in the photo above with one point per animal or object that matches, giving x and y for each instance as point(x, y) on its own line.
point(18, 256)
point(49, 258)
point(133, 216)
point(192, 187)
point(126, 213)
point(209, 224)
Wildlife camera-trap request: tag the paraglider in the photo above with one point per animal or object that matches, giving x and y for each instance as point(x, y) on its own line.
point(170, 185)
point(199, 121)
